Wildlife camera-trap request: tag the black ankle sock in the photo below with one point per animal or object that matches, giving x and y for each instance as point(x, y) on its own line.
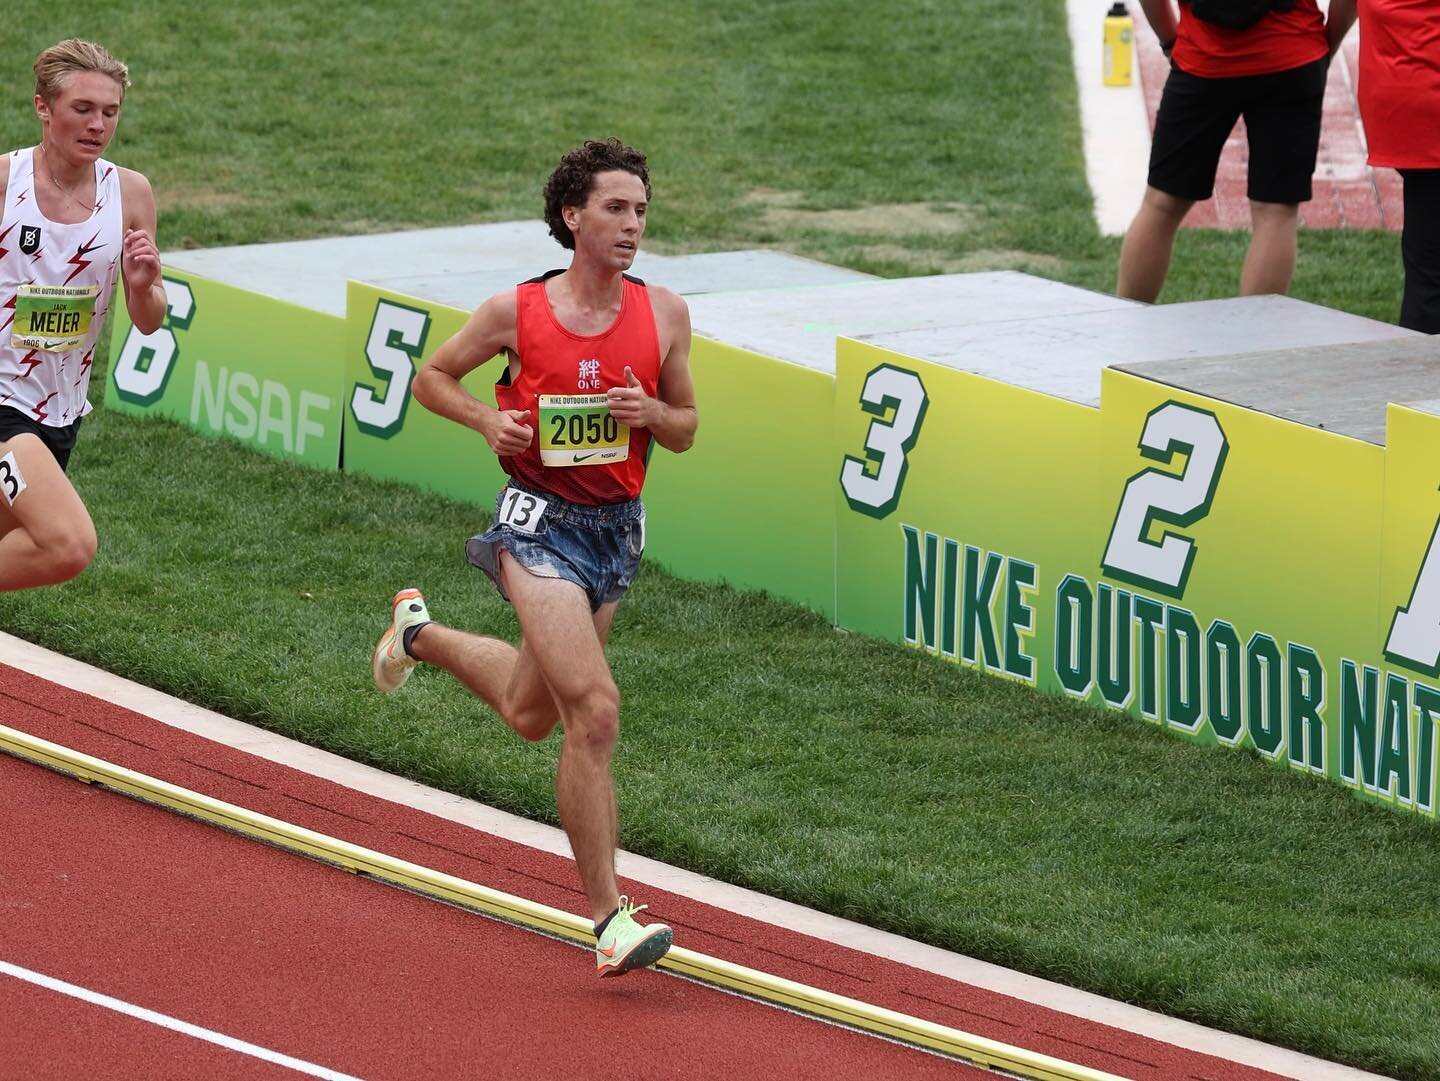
point(409, 636)
point(600, 927)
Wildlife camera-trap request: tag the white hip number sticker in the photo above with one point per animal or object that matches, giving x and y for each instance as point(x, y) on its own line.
point(521, 511)
point(12, 481)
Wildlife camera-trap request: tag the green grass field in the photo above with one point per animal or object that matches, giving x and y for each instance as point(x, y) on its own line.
point(760, 746)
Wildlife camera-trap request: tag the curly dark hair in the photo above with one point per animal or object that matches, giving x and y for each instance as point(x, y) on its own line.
point(574, 179)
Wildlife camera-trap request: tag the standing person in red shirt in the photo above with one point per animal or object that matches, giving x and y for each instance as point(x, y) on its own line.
point(597, 366)
point(1272, 72)
point(1400, 107)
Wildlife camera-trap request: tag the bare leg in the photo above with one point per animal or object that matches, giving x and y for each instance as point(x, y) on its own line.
point(492, 671)
point(1270, 262)
point(568, 648)
point(1148, 245)
point(46, 535)
point(507, 679)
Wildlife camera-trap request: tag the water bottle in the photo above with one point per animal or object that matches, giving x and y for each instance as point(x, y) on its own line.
point(1119, 45)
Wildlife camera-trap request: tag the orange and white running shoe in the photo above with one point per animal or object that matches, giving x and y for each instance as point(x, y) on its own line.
point(390, 664)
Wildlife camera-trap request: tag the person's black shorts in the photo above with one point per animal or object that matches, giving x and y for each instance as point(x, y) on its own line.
point(1282, 121)
point(61, 441)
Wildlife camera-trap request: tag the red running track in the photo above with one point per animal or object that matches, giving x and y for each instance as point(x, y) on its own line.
point(335, 969)
point(312, 962)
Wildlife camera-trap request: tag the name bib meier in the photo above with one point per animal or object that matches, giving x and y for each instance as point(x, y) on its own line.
point(53, 318)
point(577, 429)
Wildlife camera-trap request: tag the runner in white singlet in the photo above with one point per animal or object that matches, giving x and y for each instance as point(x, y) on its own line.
point(72, 224)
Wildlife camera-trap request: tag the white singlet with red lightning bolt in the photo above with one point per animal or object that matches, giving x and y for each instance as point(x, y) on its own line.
point(56, 284)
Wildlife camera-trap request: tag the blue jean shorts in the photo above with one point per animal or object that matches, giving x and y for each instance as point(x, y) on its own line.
point(597, 548)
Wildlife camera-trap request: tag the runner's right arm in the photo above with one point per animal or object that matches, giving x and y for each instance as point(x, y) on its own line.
point(486, 334)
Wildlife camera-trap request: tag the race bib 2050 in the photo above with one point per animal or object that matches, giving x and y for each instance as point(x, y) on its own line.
point(577, 429)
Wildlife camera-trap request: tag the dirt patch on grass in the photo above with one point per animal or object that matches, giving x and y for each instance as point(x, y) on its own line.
point(932, 261)
point(194, 197)
point(782, 211)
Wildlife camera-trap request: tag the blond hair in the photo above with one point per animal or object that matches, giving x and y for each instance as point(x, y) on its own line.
point(63, 59)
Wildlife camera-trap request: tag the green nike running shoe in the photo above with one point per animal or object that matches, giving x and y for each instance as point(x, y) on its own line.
point(627, 945)
point(390, 664)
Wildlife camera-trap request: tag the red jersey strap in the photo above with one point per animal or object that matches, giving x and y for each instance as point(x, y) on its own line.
point(580, 452)
point(552, 273)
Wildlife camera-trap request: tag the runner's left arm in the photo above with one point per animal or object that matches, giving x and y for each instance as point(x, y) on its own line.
point(139, 258)
point(670, 415)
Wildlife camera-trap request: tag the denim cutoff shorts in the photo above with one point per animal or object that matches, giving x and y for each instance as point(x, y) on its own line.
point(597, 548)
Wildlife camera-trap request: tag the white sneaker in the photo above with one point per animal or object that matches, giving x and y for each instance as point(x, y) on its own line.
point(390, 664)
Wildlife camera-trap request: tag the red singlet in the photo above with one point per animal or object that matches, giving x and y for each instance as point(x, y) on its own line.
point(580, 452)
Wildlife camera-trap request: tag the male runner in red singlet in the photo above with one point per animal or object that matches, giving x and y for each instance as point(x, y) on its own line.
point(598, 366)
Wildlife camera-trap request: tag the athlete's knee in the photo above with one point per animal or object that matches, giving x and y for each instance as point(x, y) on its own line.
point(1161, 204)
point(68, 554)
point(1274, 215)
point(594, 716)
point(534, 724)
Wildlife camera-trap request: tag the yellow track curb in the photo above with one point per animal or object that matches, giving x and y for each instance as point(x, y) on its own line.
point(518, 910)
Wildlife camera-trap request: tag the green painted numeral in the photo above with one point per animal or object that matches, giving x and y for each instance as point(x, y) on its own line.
point(1415, 632)
point(1153, 495)
point(872, 484)
point(145, 362)
point(392, 349)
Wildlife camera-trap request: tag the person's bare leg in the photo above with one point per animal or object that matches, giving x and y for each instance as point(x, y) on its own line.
point(46, 535)
point(568, 648)
point(505, 678)
point(1270, 262)
point(1149, 243)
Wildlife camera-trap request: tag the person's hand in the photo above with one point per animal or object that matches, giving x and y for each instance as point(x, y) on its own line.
point(630, 405)
point(140, 259)
point(508, 432)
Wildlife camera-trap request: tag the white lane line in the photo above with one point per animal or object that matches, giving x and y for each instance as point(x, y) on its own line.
point(175, 1025)
point(228, 732)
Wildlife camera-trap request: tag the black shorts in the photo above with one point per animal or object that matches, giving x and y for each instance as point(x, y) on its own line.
point(1282, 122)
point(61, 441)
